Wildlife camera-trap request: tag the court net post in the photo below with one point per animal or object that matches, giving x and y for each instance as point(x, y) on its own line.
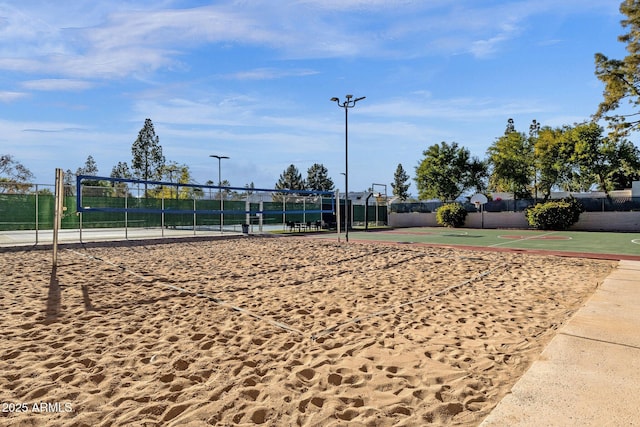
point(57, 212)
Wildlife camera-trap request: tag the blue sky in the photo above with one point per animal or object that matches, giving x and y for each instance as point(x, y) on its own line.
point(252, 79)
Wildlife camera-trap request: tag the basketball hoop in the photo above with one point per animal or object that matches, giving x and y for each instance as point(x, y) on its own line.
point(479, 200)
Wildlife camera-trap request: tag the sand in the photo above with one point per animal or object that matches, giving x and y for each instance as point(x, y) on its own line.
point(274, 331)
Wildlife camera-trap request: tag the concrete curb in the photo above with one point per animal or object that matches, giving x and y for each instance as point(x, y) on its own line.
point(589, 373)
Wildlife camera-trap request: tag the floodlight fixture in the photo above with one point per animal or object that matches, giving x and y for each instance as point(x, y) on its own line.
point(348, 103)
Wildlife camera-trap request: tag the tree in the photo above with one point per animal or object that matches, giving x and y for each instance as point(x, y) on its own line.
point(511, 127)
point(447, 171)
point(148, 161)
point(626, 165)
point(12, 174)
point(91, 187)
point(512, 162)
point(621, 78)
point(173, 172)
point(318, 178)
point(290, 179)
point(534, 133)
point(69, 183)
point(550, 156)
point(121, 170)
point(227, 193)
point(400, 183)
point(249, 188)
point(579, 157)
point(589, 157)
point(610, 163)
point(90, 167)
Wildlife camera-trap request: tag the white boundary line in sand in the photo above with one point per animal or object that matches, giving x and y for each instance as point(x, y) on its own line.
point(196, 294)
point(281, 325)
point(520, 240)
point(332, 329)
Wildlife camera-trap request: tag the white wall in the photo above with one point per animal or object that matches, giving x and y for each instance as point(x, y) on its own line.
point(589, 221)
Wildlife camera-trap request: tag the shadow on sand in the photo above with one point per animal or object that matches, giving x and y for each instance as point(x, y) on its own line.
point(53, 298)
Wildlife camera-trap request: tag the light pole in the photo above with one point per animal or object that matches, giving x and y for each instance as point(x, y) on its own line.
point(219, 184)
point(349, 102)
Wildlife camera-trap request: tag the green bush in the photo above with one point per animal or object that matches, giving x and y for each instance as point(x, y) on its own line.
point(451, 215)
point(558, 215)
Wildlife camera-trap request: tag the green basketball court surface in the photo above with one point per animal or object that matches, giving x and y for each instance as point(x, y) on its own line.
point(622, 245)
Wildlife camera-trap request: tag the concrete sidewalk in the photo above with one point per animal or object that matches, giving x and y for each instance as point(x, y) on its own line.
point(45, 237)
point(589, 374)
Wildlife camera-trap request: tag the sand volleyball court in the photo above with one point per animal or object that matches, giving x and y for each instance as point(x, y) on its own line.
point(274, 331)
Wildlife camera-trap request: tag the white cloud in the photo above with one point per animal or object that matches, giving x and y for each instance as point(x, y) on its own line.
point(57, 84)
point(269, 74)
point(487, 47)
point(7, 96)
point(116, 42)
point(457, 109)
point(342, 5)
point(110, 39)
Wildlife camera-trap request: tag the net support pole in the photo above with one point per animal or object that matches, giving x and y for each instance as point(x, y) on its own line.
point(247, 209)
point(162, 217)
point(126, 218)
point(57, 213)
point(284, 211)
point(37, 211)
point(261, 215)
point(338, 213)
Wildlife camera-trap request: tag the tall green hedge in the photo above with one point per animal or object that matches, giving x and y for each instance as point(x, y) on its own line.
point(555, 215)
point(451, 215)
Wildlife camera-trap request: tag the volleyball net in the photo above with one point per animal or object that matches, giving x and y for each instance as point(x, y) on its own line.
point(122, 202)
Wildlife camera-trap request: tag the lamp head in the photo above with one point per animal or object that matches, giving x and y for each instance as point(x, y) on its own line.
point(359, 99)
point(348, 96)
point(334, 99)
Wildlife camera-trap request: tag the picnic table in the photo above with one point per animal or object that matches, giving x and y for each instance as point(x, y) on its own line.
point(304, 226)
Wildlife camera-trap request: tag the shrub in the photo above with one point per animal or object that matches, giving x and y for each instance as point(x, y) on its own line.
point(558, 215)
point(451, 215)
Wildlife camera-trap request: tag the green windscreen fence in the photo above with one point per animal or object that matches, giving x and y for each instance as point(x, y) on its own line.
point(36, 211)
point(26, 211)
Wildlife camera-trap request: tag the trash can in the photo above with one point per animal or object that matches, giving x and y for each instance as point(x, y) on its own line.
point(245, 228)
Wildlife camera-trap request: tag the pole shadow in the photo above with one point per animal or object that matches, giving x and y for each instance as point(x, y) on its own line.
point(86, 300)
point(53, 298)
